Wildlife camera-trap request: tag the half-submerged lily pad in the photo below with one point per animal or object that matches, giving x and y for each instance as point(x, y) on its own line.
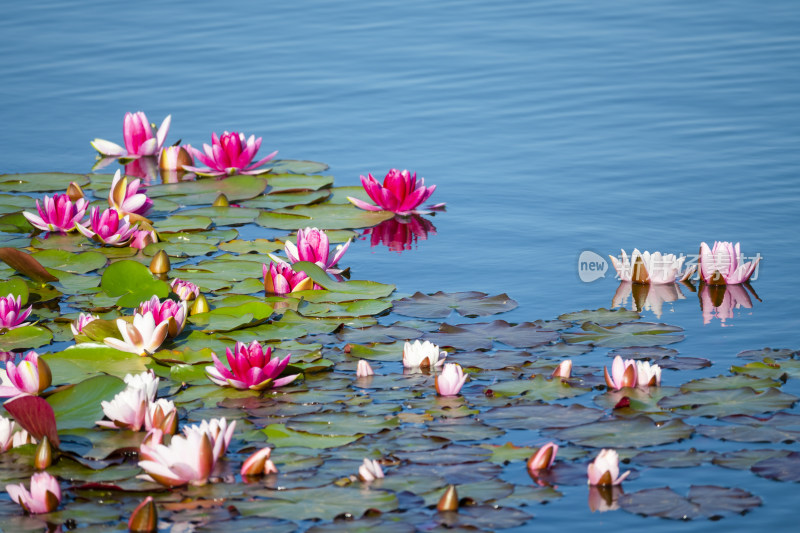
point(441, 304)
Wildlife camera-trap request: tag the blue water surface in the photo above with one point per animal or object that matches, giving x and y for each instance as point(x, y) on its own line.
point(549, 128)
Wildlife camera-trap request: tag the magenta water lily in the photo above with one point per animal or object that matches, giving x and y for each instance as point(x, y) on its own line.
point(313, 245)
point(31, 376)
point(108, 228)
point(399, 193)
point(58, 213)
point(140, 137)
point(229, 154)
point(250, 367)
point(11, 313)
point(280, 278)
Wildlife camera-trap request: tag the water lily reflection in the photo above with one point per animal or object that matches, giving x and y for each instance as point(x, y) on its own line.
point(604, 498)
point(720, 301)
point(648, 297)
point(145, 168)
point(400, 233)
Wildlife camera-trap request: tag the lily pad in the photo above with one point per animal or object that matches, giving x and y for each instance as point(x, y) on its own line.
point(287, 199)
point(80, 361)
point(637, 432)
point(322, 216)
point(206, 191)
point(441, 304)
point(224, 216)
point(324, 503)
point(538, 388)
point(280, 435)
point(779, 468)
point(296, 166)
point(40, 182)
point(78, 406)
point(704, 501)
point(537, 416)
point(674, 458)
point(481, 336)
point(283, 183)
point(132, 283)
point(340, 423)
point(601, 316)
point(24, 338)
point(80, 263)
point(781, 427)
point(625, 334)
point(742, 401)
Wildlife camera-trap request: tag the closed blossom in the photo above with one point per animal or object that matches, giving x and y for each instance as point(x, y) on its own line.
point(280, 278)
point(422, 354)
point(604, 470)
point(450, 380)
point(139, 136)
point(623, 373)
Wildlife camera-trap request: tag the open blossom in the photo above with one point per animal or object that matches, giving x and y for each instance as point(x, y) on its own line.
point(58, 213)
point(422, 354)
point(108, 228)
point(142, 237)
point(187, 459)
point(219, 433)
point(79, 323)
point(139, 137)
point(259, 463)
point(44, 496)
point(163, 415)
point(127, 410)
point(623, 373)
point(280, 278)
point(11, 313)
point(229, 154)
point(170, 311)
point(175, 157)
point(7, 429)
point(251, 367)
point(651, 268)
point(143, 337)
point(450, 381)
point(648, 375)
point(563, 370)
point(370, 470)
point(399, 193)
point(313, 245)
point(604, 470)
point(724, 264)
point(31, 376)
point(543, 458)
point(364, 369)
point(126, 198)
point(146, 381)
point(185, 290)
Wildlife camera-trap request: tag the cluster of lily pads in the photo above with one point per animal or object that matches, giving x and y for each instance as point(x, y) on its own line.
point(339, 400)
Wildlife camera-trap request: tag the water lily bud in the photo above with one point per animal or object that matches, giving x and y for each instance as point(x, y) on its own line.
point(174, 158)
point(449, 500)
point(200, 305)
point(259, 463)
point(74, 191)
point(44, 454)
point(221, 201)
point(160, 263)
point(144, 518)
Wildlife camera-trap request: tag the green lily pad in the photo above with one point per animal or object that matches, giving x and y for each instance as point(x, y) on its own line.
point(601, 316)
point(742, 401)
point(183, 223)
point(132, 283)
point(25, 337)
point(283, 183)
point(779, 468)
point(80, 263)
point(224, 216)
point(625, 334)
point(441, 304)
point(261, 246)
point(729, 382)
point(205, 191)
point(784, 370)
point(340, 423)
point(322, 216)
point(281, 436)
point(82, 360)
point(40, 182)
point(324, 503)
point(79, 406)
point(15, 286)
point(538, 388)
point(776, 354)
point(674, 458)
point(704, 501)
point(287, 199)
point(296, 166)
point(745, 459)
point(481, 336)
point(537, 416)
point(635, 432)
point(781, 427)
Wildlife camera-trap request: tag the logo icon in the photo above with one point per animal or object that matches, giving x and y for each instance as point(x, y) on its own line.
point(591, 266)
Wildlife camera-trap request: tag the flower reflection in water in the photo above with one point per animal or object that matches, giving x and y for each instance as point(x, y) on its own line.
point(604, 498)
point(400, 233)
point(649, 297)
point(719, 301)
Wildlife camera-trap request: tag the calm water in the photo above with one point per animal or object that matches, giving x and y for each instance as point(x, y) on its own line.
point(549, 128)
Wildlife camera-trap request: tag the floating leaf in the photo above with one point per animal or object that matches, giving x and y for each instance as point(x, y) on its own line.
point(342, 423)
point(224, 216)
point(83, 360)
point(132, 283)
point(207, 190)
point(744, 459)
point(728, 382)
point(779, 468)
point(441, 304)
point(78, 406)
point(40, 182)
point(626, 334)
point(481, 336)
point(287, 199)
point(601, 316)
point(537, 416)
point(280, 435)
point(296, 166)
point(322, 216)
point(674, 458)
point(704, 501)
point(283, 183)
point(183, 223)
point(635, 432)
point(537, 388)
point(325, 503)
point(15, 286)
point(24, 337)
point(781, 427)
point(80, 263)
point(743, 401)
point(25, 264)
point(776, 354)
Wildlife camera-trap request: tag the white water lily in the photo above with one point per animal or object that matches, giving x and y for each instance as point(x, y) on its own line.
point(147, 381)
point(143, 337)
point(422, 354)
point(644, 267)
point(127, 410)
point(7, 428)
point(648, 375)
point(370, 470)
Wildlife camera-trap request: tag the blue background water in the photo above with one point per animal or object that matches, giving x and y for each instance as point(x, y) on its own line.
point(548, 127)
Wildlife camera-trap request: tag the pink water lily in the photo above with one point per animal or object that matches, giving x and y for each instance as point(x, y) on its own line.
point(11, 313)
point(370, 470)
point(44, 496)
point(187, 459)
point(142, 337)
point(140, 137)
point(7, 429)
point(219, 433)
point(543, 458)
point(185, 290)
point(422, 354)
point(108, 228)
point(79, 323)
point(563, 370)
point(724, 264)
point(251, 367)
point(31, 376)
point(280, 278)
point(126, 198)
point(399, 193)
point(258, 464)
point(313, 246)
point(170, 311)
point(450, 381)
point(363, 369)
point(623, 374)
point(644, 267)
point(229, 153)
point(604, 470)
point(142, 237)
point(161, 414)
point(58, 213)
